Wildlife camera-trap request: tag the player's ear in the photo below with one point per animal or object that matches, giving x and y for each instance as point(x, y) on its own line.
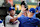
point(14, 11)
point(33, 13)
point(28, 11)
point(37, 10)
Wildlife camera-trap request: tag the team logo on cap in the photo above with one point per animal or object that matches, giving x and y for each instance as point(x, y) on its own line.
point(11, 7)
point(31, 11)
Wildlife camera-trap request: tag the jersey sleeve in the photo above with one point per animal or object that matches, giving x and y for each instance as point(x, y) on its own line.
point(8, 19)
point(19, 19)
point(38, 21)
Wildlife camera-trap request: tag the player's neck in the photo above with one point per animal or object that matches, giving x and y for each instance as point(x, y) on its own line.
point(30, 16)
point(25, 14)
point(11, 15)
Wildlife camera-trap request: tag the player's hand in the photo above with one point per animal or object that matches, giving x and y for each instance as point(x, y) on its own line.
point(23, 9)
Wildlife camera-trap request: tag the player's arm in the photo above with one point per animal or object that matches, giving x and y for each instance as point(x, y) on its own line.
point(39, 21)
point(13, 20)
point(22, 11)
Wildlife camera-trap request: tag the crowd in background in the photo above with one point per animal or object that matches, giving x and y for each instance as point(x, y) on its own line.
point(21, 15)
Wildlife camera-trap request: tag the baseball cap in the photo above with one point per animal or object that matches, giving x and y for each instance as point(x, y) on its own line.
point(39, 9)
point(11, 8)
point(36, 8)
point(0, 21)
point(32, 10)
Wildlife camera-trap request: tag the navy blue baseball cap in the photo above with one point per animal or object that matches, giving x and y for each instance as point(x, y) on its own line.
point(0, 21)
point(39, 9)
point(36, 8)
point(32, 10)
point(11, 8)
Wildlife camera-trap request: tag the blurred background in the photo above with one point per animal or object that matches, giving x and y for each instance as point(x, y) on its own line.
point(16, 4)
point(30, 3)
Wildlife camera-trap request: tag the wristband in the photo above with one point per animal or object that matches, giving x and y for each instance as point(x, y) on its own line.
point(22, 11)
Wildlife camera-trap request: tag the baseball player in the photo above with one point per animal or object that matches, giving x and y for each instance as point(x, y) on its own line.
point(10, 18)
point(24, 5)
point(28, 21)
point(38, 11)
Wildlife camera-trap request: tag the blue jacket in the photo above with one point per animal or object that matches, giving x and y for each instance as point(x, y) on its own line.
point(22, 16)
point(28, 22)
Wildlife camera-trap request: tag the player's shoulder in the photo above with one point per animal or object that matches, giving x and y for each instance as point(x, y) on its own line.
point(8, 16)
point(26, 17)
point(36, 19)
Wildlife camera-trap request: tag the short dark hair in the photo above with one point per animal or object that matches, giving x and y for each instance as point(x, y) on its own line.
point(22, 3)
point(26, 9)
point(14, 5)
point(39, 4)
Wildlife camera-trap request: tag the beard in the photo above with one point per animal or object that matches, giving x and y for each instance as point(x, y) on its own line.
point(12, 14)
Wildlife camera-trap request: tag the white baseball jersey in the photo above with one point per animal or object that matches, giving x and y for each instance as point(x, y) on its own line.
point(7, 19)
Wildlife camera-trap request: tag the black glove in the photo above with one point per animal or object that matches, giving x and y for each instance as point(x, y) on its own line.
point(38, 15)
